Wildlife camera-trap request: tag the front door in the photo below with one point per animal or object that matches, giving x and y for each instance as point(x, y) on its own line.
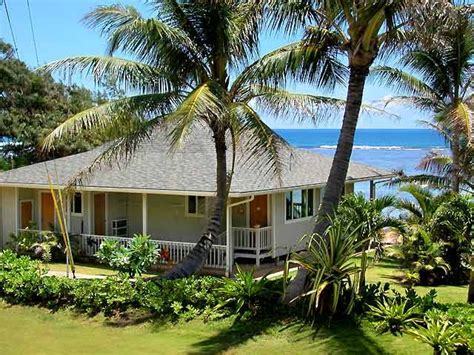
point(259, 211)
point(26, 213)
point(99, 214)
point(47, 211)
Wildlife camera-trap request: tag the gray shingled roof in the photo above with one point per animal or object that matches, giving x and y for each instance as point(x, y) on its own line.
point(189, 169)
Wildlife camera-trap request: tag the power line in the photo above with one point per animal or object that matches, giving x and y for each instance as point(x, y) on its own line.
point(32, 31)
point(15, 47)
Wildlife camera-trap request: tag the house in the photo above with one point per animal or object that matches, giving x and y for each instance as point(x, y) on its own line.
point(169, 196)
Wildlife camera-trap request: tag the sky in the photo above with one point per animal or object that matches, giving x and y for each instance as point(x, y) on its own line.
point(59, 33)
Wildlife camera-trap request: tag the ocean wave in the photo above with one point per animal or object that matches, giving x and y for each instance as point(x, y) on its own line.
point(371, 147)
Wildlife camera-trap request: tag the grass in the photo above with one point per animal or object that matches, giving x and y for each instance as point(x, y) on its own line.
point(30, 330)
point(89, 269)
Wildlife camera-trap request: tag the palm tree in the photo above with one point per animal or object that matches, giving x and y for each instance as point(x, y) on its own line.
point(360, 31)
point(370, 220)
point(438, 78)
point(177, 72)
point(422, 204)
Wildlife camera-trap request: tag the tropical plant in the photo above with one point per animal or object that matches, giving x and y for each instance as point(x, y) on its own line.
point(452, 224)
point(422, 256)
point(360, 31)
point(185, 67)
point(437, 78)
point(245, 294)
point(132, 259)
point(36, 244)
point(393, 316)
point(440, 333)
point(332, 273)
point(370, 223)
point(421, 204)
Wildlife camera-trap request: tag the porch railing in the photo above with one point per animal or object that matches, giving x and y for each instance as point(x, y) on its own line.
point(255, 243)
point(252, 238)
point(174, 252)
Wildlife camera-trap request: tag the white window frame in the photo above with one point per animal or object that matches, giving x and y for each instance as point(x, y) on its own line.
point(115, 229)
point(197, 214)
point(302, 219)
point(72, 204)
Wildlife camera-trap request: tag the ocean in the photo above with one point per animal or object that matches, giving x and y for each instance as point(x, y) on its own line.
point(391, 149)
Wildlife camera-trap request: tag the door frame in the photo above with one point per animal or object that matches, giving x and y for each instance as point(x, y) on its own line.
point(40, 222)
point(32, 210)
point(106, 211)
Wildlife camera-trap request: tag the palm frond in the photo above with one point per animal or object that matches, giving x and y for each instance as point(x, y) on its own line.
point(105, 115)
point(125, 73)
point(261, 145)
point(204, 104)
point(402, 82)
point(299, 107)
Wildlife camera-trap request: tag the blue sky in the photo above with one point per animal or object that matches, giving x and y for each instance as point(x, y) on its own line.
point(59, 33)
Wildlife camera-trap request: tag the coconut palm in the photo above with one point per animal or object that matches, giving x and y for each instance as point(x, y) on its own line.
point(336, 30)
point(177, 71)
point(371, 219)
point(438, 78)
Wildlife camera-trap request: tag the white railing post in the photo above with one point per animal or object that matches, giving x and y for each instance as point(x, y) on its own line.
point(257, 247)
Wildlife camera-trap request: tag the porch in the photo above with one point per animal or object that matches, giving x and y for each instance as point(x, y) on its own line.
point(250, 243)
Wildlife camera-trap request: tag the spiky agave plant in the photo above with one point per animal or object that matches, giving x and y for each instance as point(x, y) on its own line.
point(332, 273)
point(188, 66)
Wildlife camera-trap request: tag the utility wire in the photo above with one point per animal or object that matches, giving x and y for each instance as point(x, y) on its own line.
point(32, 31)
point(15, 47)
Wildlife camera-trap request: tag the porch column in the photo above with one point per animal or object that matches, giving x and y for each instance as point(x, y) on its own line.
point(90, 197)
point(17, 209)
point(228, 243)
point(68, 213)
point(145, 213)
point(273, 224)
point(372, 192)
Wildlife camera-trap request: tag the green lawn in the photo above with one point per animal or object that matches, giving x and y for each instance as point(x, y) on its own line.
point(89, 269)
point(30, 330)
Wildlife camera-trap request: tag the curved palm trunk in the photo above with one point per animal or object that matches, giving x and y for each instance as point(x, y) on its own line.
point(198, 255)
point(340, 165)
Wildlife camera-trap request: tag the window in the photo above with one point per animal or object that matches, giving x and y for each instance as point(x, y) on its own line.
point(299, 204)
point(119, 228)
point(76, 204)
point(195, 206)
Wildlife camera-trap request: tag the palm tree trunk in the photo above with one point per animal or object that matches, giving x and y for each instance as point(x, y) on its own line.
point(340, 165)
point(470, 293)
point(198, 255)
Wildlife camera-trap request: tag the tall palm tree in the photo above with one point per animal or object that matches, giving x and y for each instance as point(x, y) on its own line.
point(337, 31)
point(370, 220)
point(438, 78)
point(178, 70)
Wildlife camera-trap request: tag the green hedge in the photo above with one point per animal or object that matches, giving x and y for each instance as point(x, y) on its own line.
point(24, 281)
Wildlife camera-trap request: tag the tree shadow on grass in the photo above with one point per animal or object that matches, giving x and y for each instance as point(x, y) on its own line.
point(342, 337)
point(238, 333)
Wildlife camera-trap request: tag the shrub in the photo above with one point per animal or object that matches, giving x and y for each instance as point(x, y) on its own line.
point(246, 295)
point(440, 333)
point(391, 315)
point(133, 259)
point(36, 244)
point(24, 281)
point(332, 272)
